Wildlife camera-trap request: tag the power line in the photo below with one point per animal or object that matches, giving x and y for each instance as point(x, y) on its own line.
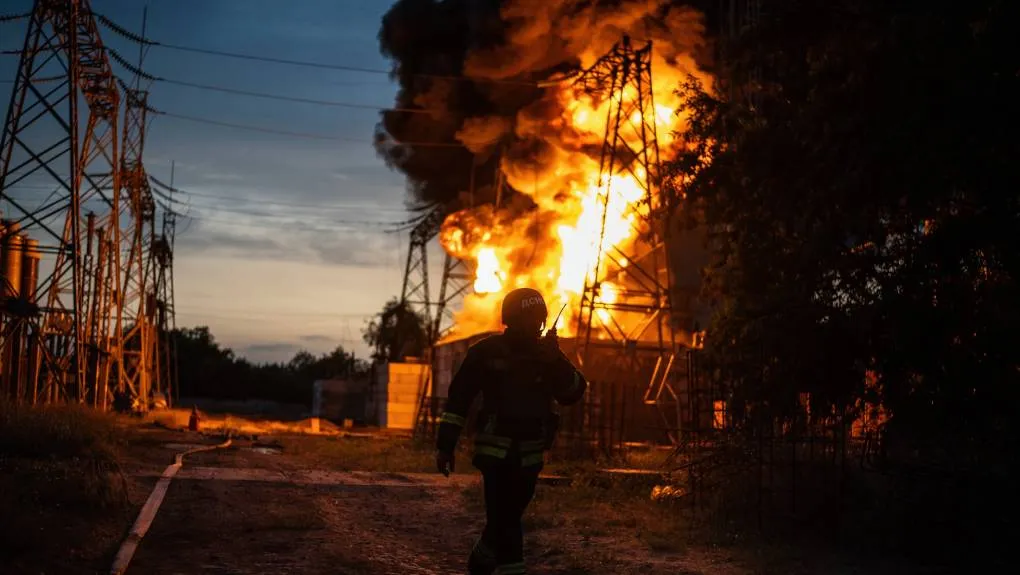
point(115, 56)
point(253, 312)
point(283, 98)
point(207, 315)
point(290, 219)
point(344, 68)
point(13, 17)
point(308, 135)
point(253, 128)
point(326, 205)
point(323, 206)
point(290, 222)
point(290, 62)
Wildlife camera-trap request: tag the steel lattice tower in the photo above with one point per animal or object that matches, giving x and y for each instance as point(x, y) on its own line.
point(60, 135)
point(625, 322)
point(138, 367)
point(416, 294)
point(162, 253)
point(457, 280)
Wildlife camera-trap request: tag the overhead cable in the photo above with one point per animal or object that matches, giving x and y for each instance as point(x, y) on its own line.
point(308, 135)
point(326, 205)
point(13, 17)
point(305, 63)
point(289, 224)
point(226, 90)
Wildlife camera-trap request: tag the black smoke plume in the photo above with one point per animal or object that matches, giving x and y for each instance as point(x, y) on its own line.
point(472, 66)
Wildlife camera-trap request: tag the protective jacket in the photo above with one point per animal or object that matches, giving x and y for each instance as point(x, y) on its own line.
point(518, 382)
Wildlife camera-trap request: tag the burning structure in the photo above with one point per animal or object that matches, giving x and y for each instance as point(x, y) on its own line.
point(563, 126)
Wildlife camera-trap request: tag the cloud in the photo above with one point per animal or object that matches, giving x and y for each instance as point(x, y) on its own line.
point(206, 239)
point(311, 240)
point(271, 347)
point(316, 338)
point(269, 352)
point(356, 248)
point(222, 177)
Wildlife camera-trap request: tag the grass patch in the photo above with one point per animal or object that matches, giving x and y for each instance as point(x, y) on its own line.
point(63, 454)
point(650, 459)
point(589, 522)
point(64, 496)
point(366, 454)
point(618, 510)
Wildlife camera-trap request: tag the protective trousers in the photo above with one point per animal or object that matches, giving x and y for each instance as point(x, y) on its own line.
point(509, 489)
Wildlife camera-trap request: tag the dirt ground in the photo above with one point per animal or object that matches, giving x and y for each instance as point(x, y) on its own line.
point(282, 502)
point(281, 515)
point(353, 505)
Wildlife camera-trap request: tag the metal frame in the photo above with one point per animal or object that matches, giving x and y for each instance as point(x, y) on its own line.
point(636, 337)
point(68, 289)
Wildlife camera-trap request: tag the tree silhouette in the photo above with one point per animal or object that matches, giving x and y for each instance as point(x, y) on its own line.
point(208, 370)
point(396, 332)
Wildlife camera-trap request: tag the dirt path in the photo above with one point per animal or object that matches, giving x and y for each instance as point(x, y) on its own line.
point(243, 512)
point(243, 527)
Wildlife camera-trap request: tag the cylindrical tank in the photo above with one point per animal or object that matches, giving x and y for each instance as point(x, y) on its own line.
point(10, 260)
point(30, 269)
point(3, 234)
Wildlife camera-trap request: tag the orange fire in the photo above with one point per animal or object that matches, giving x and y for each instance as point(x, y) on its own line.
point(506, 252)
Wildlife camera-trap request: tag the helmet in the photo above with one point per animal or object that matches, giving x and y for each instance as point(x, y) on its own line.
point(524, 304)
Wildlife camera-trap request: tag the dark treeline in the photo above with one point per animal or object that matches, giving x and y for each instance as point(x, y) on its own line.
point(207, 369)
point(862, 206)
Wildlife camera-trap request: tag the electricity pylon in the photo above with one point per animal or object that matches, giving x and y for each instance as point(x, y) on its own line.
point(59, 164)
point(625, 329)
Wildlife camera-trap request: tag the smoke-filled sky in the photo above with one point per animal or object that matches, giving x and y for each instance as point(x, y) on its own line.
point(523, 119)
point(284, 247)
point(263, 261)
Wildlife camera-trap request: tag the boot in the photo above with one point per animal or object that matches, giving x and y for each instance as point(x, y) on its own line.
point(482, 561)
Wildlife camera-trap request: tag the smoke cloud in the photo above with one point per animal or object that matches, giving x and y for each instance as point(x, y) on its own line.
point(495, 77)
point(473, 65)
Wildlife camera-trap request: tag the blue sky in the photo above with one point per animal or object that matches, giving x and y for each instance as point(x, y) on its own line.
point(269, 260)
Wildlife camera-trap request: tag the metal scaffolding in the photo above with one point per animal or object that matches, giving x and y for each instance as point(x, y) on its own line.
point(78, 220)
point(416, 292)
point(417, 296)
point(626, 331)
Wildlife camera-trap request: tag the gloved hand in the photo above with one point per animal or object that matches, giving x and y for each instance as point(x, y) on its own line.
point(549, 347)
point(444, 462)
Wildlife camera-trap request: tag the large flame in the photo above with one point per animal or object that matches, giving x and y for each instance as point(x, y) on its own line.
point(556, 247)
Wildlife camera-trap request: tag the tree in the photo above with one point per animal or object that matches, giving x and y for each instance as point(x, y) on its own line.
point(208, 370)
point(861, 205)
point(302, 361)
point(336, 364)
point(860, 198)
point(396, 332)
